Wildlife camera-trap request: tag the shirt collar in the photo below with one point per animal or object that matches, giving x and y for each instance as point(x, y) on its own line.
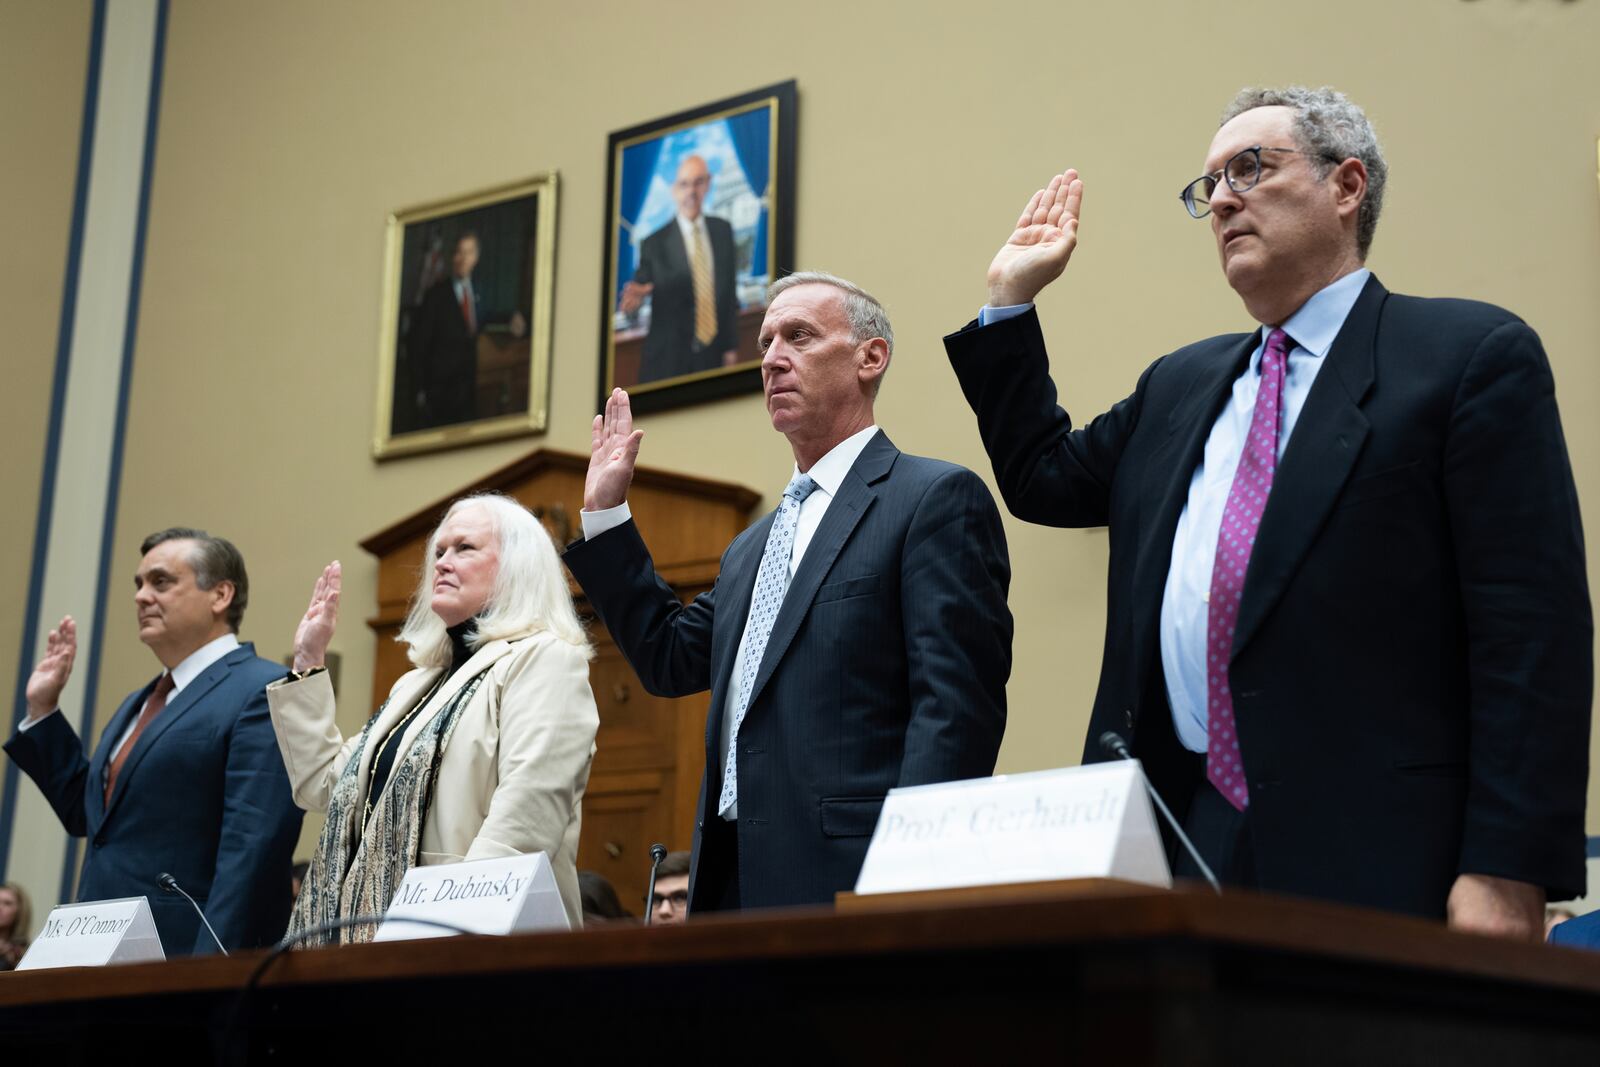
point(196, 662)
point(829, 471)
point(1320, 319)
point(688, 228)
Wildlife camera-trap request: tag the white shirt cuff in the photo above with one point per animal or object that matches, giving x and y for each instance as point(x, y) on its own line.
point(27, 724)
point(988, 315)
point(596, 523)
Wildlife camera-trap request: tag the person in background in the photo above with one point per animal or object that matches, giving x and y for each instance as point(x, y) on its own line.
point(481, 751)
point(600, 903)
point(16, 920)
point(669, 904)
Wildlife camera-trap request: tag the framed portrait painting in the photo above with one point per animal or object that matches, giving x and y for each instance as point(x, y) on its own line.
point(465, 350)
point(699, 221)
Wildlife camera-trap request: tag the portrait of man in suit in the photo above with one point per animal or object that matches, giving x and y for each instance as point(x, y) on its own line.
point(187, 778)
point(687, 269)
point(1348, 626)
point(443, 339)
point(857, 638)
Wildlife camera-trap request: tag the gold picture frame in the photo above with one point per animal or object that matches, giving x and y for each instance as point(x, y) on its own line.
point(464, 349)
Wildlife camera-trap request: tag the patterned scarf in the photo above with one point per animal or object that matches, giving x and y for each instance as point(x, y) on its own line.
point(349, 878)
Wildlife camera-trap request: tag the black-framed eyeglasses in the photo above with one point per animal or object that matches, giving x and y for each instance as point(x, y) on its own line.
point(679, 899)
point(1242, 172)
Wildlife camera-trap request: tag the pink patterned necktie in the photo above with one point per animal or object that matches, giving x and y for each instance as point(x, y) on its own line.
point(1247, 499)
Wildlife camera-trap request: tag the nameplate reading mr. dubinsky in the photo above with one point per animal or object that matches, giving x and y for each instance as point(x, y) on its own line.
point(1076, 822)
point(494, 896)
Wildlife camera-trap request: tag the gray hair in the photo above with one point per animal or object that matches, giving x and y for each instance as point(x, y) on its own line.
point(529, 593)
point(866, 315)
point(213, 560)
point(1327, 123)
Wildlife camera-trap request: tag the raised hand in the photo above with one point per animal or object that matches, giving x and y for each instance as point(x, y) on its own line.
point(315, 631)
point(613, 450)
point(50, 676)
point(1040, 246)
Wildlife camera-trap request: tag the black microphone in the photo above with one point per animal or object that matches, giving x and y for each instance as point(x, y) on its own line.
point(658, 852)
point(170, 884)
point(1113, 743)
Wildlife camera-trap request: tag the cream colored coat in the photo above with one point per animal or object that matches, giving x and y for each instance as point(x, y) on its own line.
point(511, 780)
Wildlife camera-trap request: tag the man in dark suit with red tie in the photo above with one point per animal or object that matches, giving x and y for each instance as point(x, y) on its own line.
point(1348, 629)
point(187, 779)
point(442, 341)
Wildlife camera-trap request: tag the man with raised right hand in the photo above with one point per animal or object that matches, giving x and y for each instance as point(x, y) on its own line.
point(857, 638)
point(187, 779)
point(1348, 627)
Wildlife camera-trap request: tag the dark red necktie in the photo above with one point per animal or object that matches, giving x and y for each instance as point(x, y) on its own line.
point(152, 708)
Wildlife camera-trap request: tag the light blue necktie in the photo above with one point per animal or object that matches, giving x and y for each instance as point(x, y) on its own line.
point(772, 582)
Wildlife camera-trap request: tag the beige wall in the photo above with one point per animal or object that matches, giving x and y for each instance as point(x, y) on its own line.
point(44, 51)
point(290, 130)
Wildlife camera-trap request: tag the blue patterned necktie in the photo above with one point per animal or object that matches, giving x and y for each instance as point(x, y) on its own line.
point(772, 582)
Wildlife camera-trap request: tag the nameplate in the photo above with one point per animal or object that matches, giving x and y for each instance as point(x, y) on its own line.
point(1076, 822)
point(496, 896)
point(94, 934)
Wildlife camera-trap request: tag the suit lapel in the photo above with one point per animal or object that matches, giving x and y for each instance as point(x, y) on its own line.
point(174, 711)
point(1322, 451)
point(856, 495)
point(1171, 469)
point(96, 800)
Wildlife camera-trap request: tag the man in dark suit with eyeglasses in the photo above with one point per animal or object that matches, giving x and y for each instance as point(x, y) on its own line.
point(1349, 631)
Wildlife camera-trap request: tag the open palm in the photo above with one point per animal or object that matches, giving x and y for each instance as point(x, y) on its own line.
point(613, 451)
point(1038, 249)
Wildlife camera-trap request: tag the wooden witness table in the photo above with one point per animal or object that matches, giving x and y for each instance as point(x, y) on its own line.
point(1082, 973)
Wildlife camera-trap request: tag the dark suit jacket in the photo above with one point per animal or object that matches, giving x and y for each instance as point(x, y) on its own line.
point(1412, 668)
point(203, 796)
point(886, 667)
point(444, 354)
point(664, 263)
point(1580, 932)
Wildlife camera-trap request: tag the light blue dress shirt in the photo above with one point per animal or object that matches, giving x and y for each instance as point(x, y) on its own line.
point(1185, 604)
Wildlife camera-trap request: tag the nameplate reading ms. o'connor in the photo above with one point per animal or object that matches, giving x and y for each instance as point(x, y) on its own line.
point(1076, 822)
point(494, 896)
point(95, 933)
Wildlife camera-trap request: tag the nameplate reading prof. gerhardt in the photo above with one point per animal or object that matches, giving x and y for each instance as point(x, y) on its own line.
point(1076, 822)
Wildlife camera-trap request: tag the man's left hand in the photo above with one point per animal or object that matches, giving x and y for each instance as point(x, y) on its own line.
point(1499, 907)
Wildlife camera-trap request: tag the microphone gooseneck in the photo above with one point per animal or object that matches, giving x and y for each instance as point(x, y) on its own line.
point(1113, 743)
point(658, 852)
point(170, 884)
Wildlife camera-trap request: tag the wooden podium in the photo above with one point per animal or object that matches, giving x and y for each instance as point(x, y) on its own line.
point(650, 750)
point(1105, 976)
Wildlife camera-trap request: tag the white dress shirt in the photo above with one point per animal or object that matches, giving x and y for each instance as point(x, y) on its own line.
point(687, 231)
point(1185, 604)
point(829, 473)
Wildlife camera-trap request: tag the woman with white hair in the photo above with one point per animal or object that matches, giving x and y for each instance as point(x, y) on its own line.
point(483, 750)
